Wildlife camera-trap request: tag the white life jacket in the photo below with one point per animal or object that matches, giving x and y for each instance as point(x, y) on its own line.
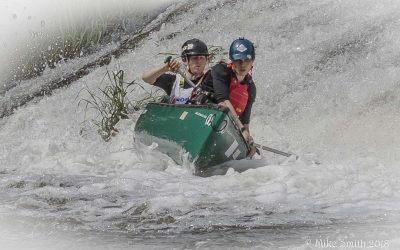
point(179, 95)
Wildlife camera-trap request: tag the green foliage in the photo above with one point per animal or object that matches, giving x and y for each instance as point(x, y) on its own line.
point(217, 53)
point(48, 50)
point(76, 39)
point(113, 104)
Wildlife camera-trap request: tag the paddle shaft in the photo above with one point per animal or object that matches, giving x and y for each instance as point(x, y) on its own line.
point(273, 150)
point(181, 72)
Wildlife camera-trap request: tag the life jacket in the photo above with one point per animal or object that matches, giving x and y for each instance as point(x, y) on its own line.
point(180, 95)
point(238, 94)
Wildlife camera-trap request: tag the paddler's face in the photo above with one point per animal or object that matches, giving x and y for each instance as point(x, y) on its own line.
point(242, 67)
point(196, 64)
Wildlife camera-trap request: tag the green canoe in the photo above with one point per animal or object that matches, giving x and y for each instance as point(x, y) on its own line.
point(207, 133)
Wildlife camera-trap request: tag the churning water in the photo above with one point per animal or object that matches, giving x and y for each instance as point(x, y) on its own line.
point(327, 76)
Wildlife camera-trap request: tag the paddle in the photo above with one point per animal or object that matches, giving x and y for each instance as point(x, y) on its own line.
point(274, 150)
point(180, 72)
point(281, 152)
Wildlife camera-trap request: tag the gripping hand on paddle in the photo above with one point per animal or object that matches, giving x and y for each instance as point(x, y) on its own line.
point(246, 135)
point(171, 65)
point(250, 141)
point(150, 76)
point(252, 147)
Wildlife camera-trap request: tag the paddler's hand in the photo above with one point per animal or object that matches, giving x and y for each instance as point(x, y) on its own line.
point(250, 141)
point(172, 66)
point(246, 135)
point(253, 150)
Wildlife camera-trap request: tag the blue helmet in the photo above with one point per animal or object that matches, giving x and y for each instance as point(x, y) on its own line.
point(241, 49)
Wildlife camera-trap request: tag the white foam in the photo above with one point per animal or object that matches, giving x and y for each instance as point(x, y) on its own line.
point(326, 76)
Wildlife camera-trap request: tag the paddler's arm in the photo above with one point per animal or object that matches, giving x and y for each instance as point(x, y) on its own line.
point(221, 77)
point(244, 128)
point(150, 76)
point(245, 116)
point(247, 127)
point(250, 138)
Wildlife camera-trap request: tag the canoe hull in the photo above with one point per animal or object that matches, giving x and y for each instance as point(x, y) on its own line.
point(207, 133)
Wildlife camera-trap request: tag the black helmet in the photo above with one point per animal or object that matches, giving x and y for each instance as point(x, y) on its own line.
point(194, 47)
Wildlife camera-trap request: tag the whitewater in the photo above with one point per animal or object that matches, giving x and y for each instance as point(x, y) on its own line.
point(327, 76)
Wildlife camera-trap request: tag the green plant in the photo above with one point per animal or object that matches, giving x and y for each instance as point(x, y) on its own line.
point(71, 41)
point(216, 53)
point(113, 104)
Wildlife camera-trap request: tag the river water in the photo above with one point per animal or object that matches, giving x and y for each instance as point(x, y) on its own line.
point(327, 76)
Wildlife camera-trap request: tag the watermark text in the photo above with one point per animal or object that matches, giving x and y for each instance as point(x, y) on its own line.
point(326, 243)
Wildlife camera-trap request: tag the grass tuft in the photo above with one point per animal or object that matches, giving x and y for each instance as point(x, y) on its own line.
point(217, 54)
point(112, 103)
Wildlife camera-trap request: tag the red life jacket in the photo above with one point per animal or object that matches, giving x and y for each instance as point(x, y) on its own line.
point(238, 94)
